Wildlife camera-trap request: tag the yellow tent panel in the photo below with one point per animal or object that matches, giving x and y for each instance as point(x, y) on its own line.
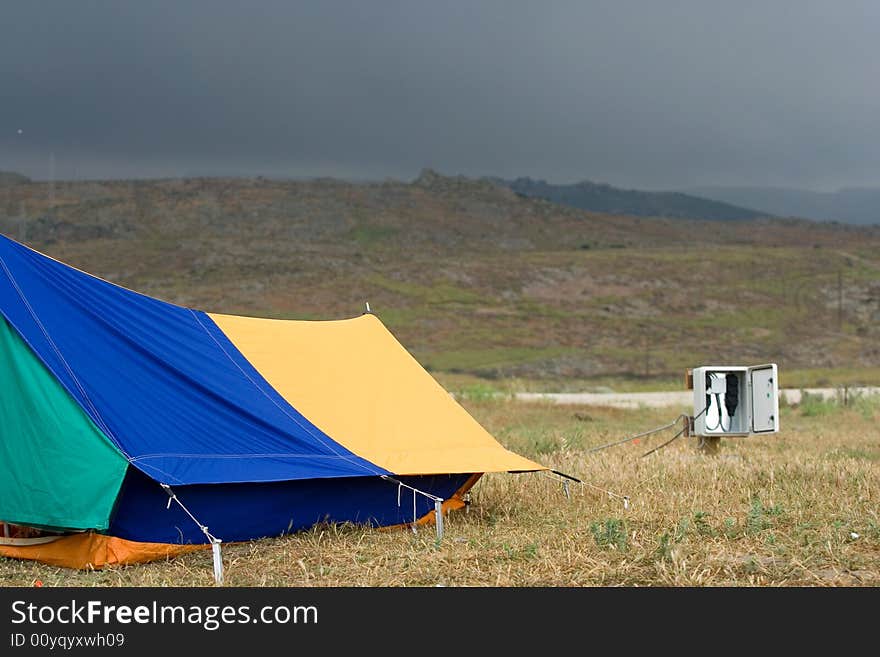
point(356, 382)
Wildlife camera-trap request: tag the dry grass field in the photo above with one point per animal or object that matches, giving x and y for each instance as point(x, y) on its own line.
point(799, 508)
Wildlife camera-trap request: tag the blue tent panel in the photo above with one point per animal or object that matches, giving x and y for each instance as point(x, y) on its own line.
point(162, 381)
point(240, 512)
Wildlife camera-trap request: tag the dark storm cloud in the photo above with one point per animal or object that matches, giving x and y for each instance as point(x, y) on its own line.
point(651, 94)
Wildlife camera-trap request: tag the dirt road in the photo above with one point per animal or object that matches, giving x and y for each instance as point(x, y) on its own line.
point(673, 398)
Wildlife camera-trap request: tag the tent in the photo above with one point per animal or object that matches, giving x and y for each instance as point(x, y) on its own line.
point(133, 429)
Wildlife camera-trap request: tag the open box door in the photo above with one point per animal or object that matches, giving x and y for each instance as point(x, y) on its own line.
point(764, 386)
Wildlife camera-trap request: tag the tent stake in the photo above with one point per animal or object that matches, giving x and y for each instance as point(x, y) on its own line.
point(213, 540)
point(438, 519)
point(438, 504)
point(218, 561)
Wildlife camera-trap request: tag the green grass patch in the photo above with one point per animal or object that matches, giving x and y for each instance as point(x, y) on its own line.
point(440, 293)
point(829, 377)
point(396, 317)
point(486, 359)
point(610, 533)
point(760, 517)
point(478, 392)
point(369, 235)
point(817, 406)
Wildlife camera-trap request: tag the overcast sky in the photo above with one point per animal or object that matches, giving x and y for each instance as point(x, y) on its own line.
point(651, 94)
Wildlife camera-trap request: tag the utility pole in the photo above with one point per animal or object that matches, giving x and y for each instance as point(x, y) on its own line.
point(839, 300)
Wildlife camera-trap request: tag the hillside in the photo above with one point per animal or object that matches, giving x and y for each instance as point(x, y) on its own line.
point(12, 178)
point(855, 206)
point(477, 280)
point(597, 197)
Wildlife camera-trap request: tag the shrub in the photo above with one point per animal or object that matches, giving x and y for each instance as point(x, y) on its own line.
point(611, 533)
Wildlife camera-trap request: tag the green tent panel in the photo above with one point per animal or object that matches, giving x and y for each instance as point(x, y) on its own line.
point(61, 470)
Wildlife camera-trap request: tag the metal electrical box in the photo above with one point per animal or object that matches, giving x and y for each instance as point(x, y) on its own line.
point(734, 400)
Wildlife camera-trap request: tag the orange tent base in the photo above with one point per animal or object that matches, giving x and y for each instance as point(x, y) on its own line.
point(90, 551)
point(452, 504)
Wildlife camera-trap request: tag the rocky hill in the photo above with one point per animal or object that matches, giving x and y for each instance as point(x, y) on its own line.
point(12, 178)
point(475, 278)
point(854, 206)
point(598, 197)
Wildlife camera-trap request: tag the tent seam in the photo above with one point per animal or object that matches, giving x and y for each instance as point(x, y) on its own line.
point(98, 418)
point(277, 405)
